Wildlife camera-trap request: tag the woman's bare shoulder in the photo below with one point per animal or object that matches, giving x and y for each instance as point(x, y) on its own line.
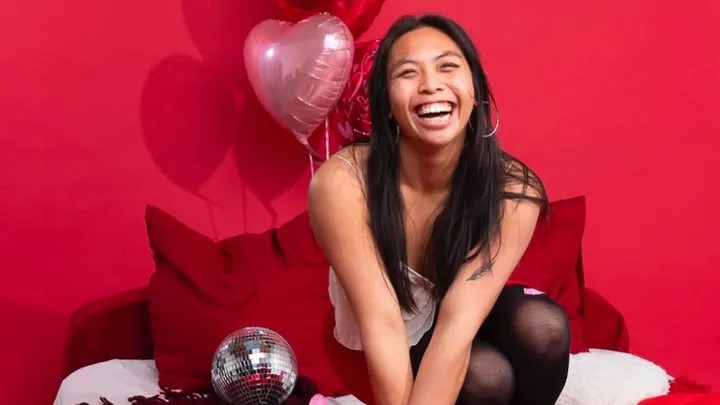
point(342, 171)
point(337, 207)
point(337, 182)
point(521, 179)
point(356, 154)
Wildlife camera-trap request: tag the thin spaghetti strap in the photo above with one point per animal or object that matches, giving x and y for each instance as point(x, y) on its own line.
point(354, 168)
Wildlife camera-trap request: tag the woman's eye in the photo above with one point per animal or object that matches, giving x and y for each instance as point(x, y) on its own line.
point(448, 66)
point(406, 72)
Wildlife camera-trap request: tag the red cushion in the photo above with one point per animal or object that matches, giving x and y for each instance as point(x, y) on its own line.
point(202, 290)
point(604, 325)
point(112, 327)
point(553, 262)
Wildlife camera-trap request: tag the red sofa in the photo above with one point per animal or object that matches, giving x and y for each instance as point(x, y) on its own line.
point(203, 289)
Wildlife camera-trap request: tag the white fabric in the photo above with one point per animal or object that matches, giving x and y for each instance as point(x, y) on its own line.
point(346, 400)
point(599, 377)
point(347, 330)
point(605, 377)
point(116, 380)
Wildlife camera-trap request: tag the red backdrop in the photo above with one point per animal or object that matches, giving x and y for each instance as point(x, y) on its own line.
point(107, 106)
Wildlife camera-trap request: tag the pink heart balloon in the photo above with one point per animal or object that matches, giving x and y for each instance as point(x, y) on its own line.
point(299, 71)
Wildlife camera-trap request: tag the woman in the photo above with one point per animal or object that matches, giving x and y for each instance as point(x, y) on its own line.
point(423, 228)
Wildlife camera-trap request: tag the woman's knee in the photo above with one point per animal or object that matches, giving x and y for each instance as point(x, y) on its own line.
point(542, 328)
point(489, 379)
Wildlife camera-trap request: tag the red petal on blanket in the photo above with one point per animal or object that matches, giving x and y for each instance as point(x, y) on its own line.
point(685, 384)
point(168, 396)
point(176, 401)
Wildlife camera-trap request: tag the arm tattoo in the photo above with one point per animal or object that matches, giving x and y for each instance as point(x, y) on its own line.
point(479, 272)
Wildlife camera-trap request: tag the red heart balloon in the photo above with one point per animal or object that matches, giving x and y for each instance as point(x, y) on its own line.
point(356, 14)
point(349, 121)
point(353, 106)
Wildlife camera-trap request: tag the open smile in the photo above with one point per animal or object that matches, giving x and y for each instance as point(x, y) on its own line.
point(435, 115)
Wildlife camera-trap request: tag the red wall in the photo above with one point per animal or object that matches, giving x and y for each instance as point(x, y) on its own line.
point(107, 106)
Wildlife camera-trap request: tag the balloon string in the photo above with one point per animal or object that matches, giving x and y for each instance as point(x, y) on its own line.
point(327, 139)
point(327, 148)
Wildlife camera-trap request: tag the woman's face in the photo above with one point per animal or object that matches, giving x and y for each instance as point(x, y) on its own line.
point(430, 87)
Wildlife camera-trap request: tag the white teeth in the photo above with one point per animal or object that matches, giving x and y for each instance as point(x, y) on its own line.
point(434, 108)
point(437, 120)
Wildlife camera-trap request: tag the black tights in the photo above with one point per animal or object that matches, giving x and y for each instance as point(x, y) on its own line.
point(519, 356)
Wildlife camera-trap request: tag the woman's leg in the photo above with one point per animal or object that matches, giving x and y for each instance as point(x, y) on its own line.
point(533, 333)
point(489, 379)
point(520, 354)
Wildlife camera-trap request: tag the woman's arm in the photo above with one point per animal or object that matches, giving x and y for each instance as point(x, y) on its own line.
point(339, 219)
point(465, 307)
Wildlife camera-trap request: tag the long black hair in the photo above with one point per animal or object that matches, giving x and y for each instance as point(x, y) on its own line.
point(469, 221)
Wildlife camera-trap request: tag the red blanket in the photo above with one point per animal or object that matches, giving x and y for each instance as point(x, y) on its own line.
point(684, 391)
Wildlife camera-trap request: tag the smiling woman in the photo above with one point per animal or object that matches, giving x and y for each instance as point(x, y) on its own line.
point(416, 84)
point(424, 227)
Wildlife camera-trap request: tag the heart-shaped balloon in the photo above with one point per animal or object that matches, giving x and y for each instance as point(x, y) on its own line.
point(356, 14)
point(349, 121)
point(299, 71)
point(353, 105)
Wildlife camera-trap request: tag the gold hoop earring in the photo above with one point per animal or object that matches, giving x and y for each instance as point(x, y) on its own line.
point(497, 120)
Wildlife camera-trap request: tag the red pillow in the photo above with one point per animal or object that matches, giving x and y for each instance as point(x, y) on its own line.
point(202, 290)
point(553, 262)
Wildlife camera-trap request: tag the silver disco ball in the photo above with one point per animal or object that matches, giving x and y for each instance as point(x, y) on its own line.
point(253, 366)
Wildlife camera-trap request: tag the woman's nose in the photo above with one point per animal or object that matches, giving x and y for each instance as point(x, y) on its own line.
point(430, 84)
